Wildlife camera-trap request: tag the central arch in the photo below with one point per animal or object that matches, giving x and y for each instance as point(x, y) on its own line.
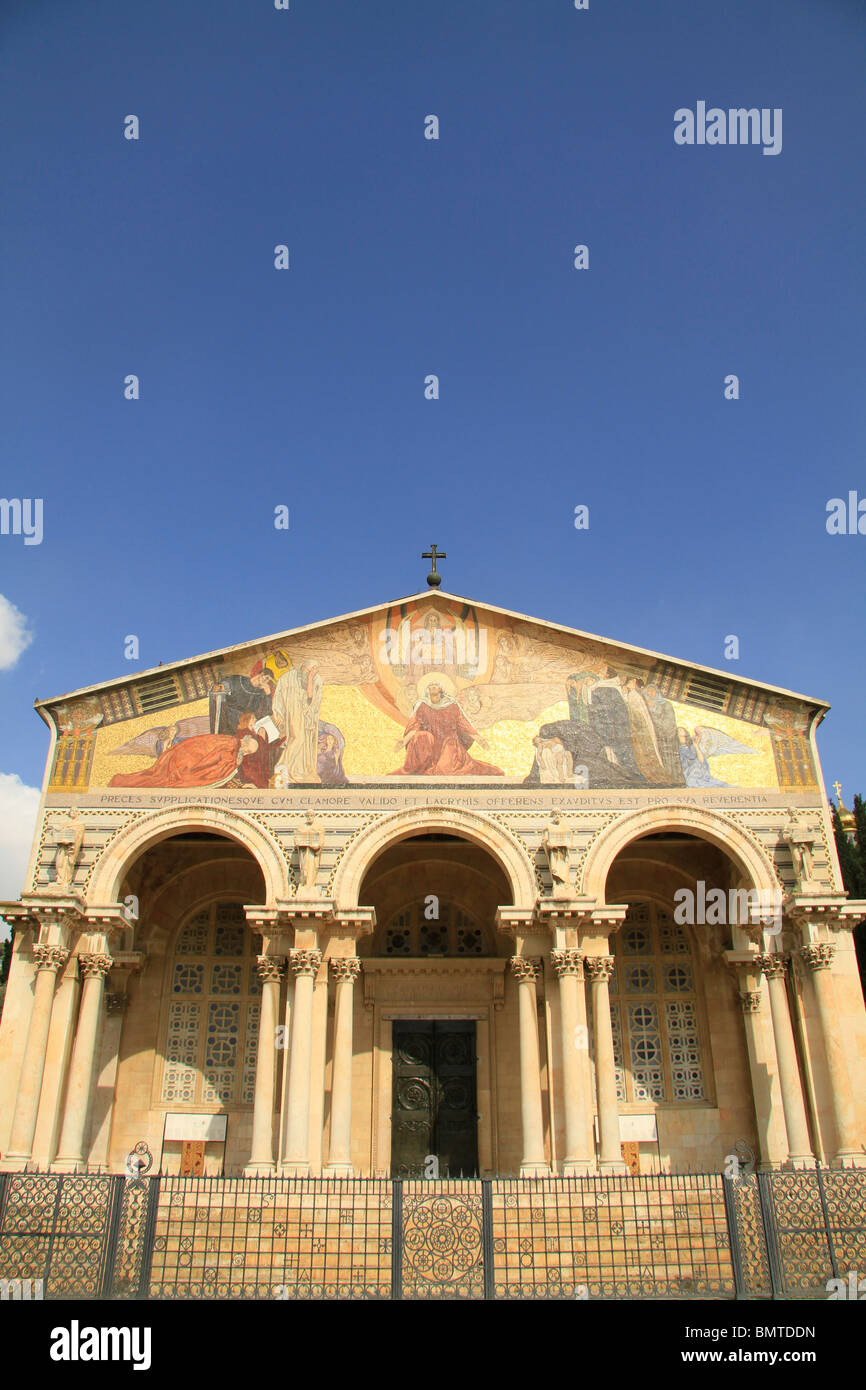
point(468, 825)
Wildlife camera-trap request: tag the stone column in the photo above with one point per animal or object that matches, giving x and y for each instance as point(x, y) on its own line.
point(534, 1163)
point(345, 970)
point(261, 1162)
point(568, 965)
point(600, 969)
point(818, 959)
point(49, 960)
point(745, 967)
point(79, 1092)
point(799, 1145)
point(296, 1159)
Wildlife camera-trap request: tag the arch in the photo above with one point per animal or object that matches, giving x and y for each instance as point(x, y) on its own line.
point(134, 839)
point(468, 825)
point(725, 834)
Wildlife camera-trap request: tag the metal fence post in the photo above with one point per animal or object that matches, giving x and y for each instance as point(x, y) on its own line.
point(397, 1238)
point(734, 1236)
point(487, 1237)
point(112, 1225)
point(771, 1234)
point(148, 1236)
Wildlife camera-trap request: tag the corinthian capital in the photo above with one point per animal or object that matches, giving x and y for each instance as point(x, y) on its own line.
point(773, 966)
point(345, 968)
point(50, 957)
point(819, 956)
point(305, 962)
point(94, 965)
point(599, 967)
point(270, 968)
point(525, 968)
point(568, 962)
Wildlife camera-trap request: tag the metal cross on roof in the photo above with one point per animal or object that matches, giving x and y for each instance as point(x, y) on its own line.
point(434, 578)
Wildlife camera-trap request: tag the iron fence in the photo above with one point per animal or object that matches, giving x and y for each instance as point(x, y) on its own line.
point(695, 1236)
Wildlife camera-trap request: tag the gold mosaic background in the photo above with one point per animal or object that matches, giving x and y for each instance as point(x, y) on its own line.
point(516, 684)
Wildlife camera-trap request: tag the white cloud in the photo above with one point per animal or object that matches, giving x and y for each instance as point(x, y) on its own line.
point(18, 806)
point(15, 635)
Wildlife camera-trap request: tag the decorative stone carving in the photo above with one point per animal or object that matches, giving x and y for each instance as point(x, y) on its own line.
point(270, 968)
point(94, 964)
point(345, 968)
point(309, 841)
point(800, 840)
point(116, 1004)
point(557, 841)
point(569, 962)
point(819, 956)
point(750, 1000)
point(599, 967)
point(68, 833)
point(305, 962)
point(772, 965)
point(50, 957)
point(525, 968)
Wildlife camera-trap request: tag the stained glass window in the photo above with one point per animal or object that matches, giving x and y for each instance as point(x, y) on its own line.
point(654, 1010)
point(213, 1014)
point(416, 931)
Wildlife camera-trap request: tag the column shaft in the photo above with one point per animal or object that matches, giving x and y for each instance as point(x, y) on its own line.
point(799, 1145)
point(819, 958)
point(346, 969)
point(262, 1151)
point(534, 1162)
point(568, 965)
point(49, 959)
point(600, 969)
point(70, 1154)
point(296, 1160)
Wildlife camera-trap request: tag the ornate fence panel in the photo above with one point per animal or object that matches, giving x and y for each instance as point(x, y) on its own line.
point(442, 1242)
point(56, 1228)
point(816, 1224)
point(281, 1238)
point(844, 1205)
point(749, 1237)
point(133, 1238)
point(650, 1237)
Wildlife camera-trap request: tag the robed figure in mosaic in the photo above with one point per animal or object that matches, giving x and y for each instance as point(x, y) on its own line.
point(438, 737)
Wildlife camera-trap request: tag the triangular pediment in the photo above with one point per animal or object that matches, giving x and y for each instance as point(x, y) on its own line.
point(405, 690)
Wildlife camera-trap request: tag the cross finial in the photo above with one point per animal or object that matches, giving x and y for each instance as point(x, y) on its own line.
point(434, 578)
point(837, 787)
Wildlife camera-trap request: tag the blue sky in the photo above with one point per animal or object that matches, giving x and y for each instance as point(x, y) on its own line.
point(409, 256)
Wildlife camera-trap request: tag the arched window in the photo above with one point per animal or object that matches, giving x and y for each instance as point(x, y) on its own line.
point(416, 931)
point(654, 1010)
point(213, 1013)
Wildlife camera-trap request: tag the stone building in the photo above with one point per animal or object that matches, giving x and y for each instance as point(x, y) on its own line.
point(432, 888)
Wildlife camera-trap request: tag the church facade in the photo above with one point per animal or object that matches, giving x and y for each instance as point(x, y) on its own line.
point(432, 890)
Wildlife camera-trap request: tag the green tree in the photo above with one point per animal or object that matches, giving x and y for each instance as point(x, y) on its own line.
point(852, 862)
point(5, 962)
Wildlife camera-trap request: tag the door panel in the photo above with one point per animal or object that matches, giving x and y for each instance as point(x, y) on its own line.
point(434, 1097)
